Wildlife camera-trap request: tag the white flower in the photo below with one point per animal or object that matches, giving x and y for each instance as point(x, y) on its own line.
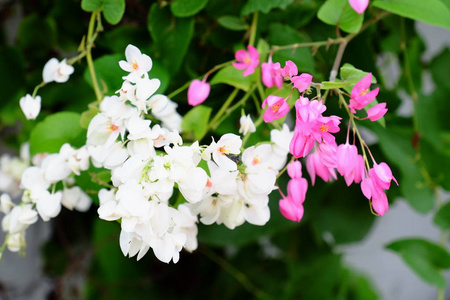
point(55, 168)
point(247, 125)
point(16, 241)
point(77, 160)
point(5, 203)
point(228, 144)
point(30, 106)
point(74, 197)
point(137, 63)
point(19, 218)
point(281, 139)
point(33, 179)
point(56, 71)
point(48, 205)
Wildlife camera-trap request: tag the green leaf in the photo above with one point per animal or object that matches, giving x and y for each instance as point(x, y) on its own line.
point(264, 5)
point(56, 130)
point(113, 10)
point(396, 145)
point(334, 12)
point(232, 23)
point(108, 72)
point(329, 85)
point(281, 35)
point(232, 76)
point(187, 8)
point(171, 36)
point(433, 12)
point(442, 217)
point(436, 162)
point(196, 121)
point(423, 257)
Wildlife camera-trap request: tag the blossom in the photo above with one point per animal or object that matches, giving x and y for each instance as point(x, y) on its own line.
point(277, 108)
point(290, 210)
point(137, 63)
point(247, 60)
point(360, 95)
point(247, 125)
point(198, 91)
point(359, 5)
point(290, 69)
point(271, 75)
point(56, 71)
point(349, 163)
point(228, 144)
point(377, 112)
point(315, 166)
point(302, 82)
point(30, 106)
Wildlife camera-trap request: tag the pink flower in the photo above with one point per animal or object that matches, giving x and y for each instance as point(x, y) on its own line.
point(247, 60)
point(359, 5)
point(270, 73)
point(198, 91)
point(302, 82)
point(294, 169)
point(376, 112)
point(277, 108)
point(328, 153)
point(360, 95)
point(290, 69)
point(290, 210)
point(324, 127)
point(373, 186)
point(315, 166)
point(382, 175)
point(297, 188)
point(301, 144)
point(349, 163)
point(373, 192)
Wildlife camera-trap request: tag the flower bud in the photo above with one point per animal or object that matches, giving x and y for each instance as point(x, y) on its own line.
point(30, 106)
point(198, 92)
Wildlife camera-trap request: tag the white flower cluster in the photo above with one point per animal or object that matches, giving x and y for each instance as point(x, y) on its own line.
point(35, 182)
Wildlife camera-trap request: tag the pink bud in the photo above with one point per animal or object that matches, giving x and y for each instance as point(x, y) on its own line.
point(377, 112)
point(302, 82)
point(198, 92)
point(290, 210)
point(294, 169)
point(359, 5)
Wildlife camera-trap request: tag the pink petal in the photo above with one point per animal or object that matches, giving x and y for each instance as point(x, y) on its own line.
point(359, 5)
point(198, 91)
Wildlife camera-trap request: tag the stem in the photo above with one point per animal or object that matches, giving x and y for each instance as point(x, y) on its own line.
point(98, 93)
point(253, 29)
point(222, 110)
point(237, 105)
point(37, 88)
point(238, 275)
point(337, 60)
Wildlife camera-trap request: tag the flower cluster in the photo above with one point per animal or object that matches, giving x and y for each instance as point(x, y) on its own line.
point(161, 187)
point(36, 200)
